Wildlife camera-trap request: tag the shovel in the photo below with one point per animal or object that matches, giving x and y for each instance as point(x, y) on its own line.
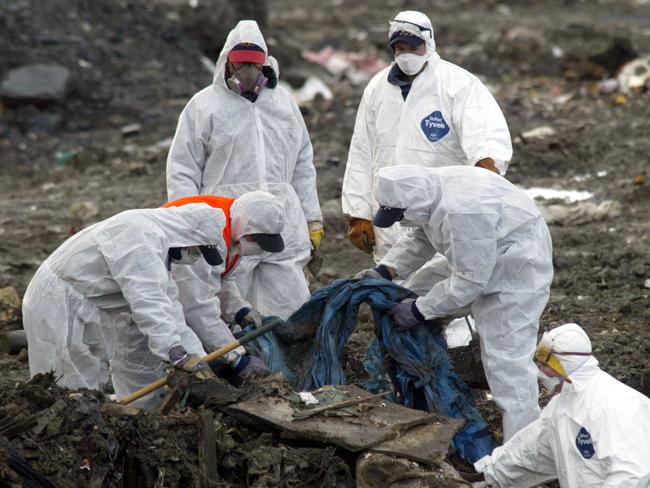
point(213, 355)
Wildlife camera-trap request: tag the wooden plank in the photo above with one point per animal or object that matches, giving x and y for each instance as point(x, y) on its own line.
point(207, 446)
point(170, 399)
point(426, 444)
point(361, 429)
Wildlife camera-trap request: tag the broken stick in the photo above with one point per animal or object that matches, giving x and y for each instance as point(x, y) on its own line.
point(305, 414)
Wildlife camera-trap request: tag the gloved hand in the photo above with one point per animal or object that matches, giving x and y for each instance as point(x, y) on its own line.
point(190, 363)
point(406, 315)
point(378, 272)
point(361, 234)
point(249, 366)
point(247, 316)
point(316, 233)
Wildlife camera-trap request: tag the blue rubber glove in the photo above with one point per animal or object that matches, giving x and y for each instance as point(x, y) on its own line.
point(406, 315)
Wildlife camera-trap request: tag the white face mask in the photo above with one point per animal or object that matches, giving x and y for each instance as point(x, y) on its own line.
point(410, 63)
point(249, 248)
point(189, 255)
point(547, 382)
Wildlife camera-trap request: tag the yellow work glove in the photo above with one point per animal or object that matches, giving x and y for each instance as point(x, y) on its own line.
point(198, 367)
point(316, 233)
point(361, 234)
point(190, 363)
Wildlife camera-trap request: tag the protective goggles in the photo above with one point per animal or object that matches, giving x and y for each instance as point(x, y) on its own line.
point(545, 354)
point(408, 26)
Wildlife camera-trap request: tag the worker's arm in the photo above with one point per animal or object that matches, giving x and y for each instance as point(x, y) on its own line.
point(187, 154)
point(409, 253)
point(524, 461)
point(231, 298)
point(471, 254)
point(142, 276)
point(303, 179)
point(482, 128)
point(356, 197)
point(198, 287)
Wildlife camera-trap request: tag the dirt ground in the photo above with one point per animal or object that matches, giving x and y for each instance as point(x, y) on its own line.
point(68, 164)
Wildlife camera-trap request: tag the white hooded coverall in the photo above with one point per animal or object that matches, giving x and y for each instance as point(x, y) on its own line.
point(226, 145)
point(207, 292)
point(594, 434)
point(449, 118)
point(106, 295)
point(500, 255)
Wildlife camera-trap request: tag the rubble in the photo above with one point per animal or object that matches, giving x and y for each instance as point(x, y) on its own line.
point(36, 82)
point(82, 439)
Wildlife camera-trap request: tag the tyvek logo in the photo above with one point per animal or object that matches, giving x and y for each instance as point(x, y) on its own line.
point(584, 443)
point(434, 126)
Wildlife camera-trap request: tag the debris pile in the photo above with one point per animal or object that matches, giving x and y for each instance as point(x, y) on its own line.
point(262, 435)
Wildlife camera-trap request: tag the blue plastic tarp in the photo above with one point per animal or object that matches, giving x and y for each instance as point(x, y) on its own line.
point(415, 360)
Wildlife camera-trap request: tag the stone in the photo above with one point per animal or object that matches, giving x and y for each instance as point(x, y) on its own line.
point(36, 82)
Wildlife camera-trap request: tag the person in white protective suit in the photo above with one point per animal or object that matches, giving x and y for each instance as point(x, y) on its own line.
point(500, 254)
point(253, 225)
point(423, 111)
point(594, 433)
point(245, 133)
point(106, 295)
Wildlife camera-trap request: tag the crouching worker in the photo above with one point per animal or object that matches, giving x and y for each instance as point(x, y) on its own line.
point(106, 295)
point(498, 249)
point(210, 296)
point(594, 433)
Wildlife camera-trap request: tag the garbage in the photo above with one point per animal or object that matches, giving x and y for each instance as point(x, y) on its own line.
point(459, 332)
point(64, 157)
point(553, 194)
point(538, 133)
point(131, 129)
point(36, 82)
point(375, 469)
point(308, 398)
point(356, 67)
point(312, 87)
point(581, 213)
point(635, 76)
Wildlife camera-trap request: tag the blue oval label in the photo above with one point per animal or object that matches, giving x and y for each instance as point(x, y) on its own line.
point(434, 126)
point(584, 443)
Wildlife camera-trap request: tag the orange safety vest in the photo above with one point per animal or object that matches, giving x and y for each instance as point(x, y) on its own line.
point(223, 203)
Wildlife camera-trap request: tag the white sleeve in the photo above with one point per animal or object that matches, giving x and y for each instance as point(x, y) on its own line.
point(198, 286)
point(471, 254)
point(142, 276)
point(356, 197)
point(231, 299)
point(409, 253)
point(187, 154)
point(526, 460)
point(482, 128)
point(304, 174)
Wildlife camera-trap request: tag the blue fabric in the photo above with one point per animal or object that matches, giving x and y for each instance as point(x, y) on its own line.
point(414, 361)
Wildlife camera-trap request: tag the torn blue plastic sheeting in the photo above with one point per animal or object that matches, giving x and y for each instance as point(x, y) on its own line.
point(417, 359)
